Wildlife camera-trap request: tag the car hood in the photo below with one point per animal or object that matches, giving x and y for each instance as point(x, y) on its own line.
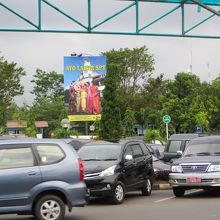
point(97, 166)
point(161, 165)
point(198, 159)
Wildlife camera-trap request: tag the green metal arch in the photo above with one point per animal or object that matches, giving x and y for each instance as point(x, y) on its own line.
point(89, 28)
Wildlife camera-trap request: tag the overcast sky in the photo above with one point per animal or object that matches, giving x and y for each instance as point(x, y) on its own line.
point(46, 50)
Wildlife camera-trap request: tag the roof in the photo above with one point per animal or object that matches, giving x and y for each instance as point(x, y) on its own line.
point(41, 124)
point(16, 124)
point(183, 136)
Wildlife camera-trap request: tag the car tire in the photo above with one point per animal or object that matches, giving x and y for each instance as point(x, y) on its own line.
point(118, 193)
point(147, 188)
point(49, 207)
point(178, 191)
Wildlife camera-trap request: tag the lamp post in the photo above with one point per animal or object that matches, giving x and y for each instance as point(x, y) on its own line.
point(65, 123)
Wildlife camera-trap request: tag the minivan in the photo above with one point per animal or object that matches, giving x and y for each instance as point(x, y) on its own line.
point(40, 177)
point(112, 169)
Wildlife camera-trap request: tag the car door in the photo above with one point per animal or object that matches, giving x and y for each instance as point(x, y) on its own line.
point(129, 168)
point(19, 175)
point(140, 163)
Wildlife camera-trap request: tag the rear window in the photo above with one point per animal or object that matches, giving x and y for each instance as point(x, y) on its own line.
point(174, 146)
point(100, 152)
point(49, 154)
point(16, 157)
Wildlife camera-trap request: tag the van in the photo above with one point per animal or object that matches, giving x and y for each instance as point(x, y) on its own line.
point(176, 145)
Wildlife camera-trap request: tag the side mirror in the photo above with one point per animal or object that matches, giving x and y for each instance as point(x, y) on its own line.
point(128, 157)
point(179, 153)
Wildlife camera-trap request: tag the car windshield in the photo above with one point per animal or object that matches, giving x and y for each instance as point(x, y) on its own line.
point(100, 152)
point(203, 149)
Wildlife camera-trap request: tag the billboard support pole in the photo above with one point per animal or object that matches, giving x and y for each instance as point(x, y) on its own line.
point(86, 128)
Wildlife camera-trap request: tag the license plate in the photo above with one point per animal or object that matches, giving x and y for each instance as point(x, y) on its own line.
point(193, 180)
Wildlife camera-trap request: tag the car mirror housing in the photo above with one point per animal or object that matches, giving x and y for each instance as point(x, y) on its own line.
point(179, 153)
point(128, 157)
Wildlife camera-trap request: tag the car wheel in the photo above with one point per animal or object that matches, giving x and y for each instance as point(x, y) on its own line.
point(49, 207)
point(118, 193)
point(178, 191)
point(147, 188)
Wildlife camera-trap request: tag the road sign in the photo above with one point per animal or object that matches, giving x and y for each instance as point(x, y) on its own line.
point(166, 119)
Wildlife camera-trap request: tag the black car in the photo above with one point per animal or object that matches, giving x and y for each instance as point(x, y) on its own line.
point(77, 143)
point(112, 169)
point(161, 169)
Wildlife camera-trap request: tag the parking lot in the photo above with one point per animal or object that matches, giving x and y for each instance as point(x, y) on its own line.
point(196, 204)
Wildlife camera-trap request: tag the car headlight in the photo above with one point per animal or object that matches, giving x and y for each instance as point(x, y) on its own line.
point(156, 170)
point(108, 172)
point(176, 169)
point(214, 168)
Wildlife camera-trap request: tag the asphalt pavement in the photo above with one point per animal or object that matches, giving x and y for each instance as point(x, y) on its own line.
point(196, 204)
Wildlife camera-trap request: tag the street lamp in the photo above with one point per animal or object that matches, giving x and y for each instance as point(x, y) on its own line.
point(65, 123)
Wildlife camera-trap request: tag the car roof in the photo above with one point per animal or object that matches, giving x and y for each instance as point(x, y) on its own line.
point(206, 139)
point(94, 143)
point(183, 136)
point(6, 137)
point(30, 141)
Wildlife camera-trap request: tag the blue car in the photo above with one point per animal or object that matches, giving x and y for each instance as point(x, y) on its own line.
point(40, 177)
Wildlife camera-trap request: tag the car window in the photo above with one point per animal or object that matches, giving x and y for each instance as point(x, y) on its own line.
point(128, 151)
point(16, 157)
point(49, 153)
point(174, 146)
point(100, 152)
point(137, 150)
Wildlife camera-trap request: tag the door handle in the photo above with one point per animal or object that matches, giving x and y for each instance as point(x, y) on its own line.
point(32, 173)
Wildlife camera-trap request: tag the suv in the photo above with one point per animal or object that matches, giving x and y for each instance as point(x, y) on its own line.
point(176, 145)
point(112, 169)
point(198, 168)
point(40, 177)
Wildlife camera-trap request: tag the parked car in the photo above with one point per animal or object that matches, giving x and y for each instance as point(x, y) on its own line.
point(161, 169)
point(156, 149)
point(112, 169)
point(198, 168)
point(177, 143)
point(40, 177)
point(6, 136)
point(77, 143)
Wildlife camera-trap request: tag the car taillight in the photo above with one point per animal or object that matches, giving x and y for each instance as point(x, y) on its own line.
point(81, 170)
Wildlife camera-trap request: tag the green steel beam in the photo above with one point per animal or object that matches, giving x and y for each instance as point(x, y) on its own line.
point(91, 27)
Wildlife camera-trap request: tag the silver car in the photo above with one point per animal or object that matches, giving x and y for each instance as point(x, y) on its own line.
point(40, 177)
point(198, 168)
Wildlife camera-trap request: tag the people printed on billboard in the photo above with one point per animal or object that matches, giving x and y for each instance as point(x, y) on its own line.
point(85, 89)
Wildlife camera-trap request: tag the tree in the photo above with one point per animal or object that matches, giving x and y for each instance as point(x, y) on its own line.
point(110, 123)
point(129, 122)
point(178, 101)
point(49, 101)
point(10, 85)
point(132, 66)
point(152, 135)
point(47, 84)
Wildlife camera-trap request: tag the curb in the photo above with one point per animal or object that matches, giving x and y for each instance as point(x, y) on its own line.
point(163, 186)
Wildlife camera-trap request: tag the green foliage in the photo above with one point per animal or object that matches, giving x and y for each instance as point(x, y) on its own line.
point(129, 122)
point(10, 86)
point(2, 130)
point(152, 135)
point(47, 84)
point(64, 133)
point(110, 123)
point(31, 131)
point(133, 65)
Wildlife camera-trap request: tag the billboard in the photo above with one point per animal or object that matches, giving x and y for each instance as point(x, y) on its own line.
point(83, 85)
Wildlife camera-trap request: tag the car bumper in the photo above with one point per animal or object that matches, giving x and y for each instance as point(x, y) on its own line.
point(205, 179)
point(101, 186)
